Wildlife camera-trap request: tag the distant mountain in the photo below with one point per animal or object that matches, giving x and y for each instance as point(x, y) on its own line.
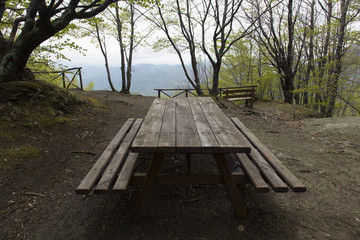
point(146, 77)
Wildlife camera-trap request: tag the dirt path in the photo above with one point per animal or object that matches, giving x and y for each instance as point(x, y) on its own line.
point(41, 167)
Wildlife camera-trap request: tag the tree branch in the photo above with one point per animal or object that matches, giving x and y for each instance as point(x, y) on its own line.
point(15, 28)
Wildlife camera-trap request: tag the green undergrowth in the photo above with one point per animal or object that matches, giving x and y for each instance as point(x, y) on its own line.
point(10, 157)
point(288, 111)
point(35, 105)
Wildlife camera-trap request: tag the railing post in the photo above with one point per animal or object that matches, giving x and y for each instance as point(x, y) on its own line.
point(81, 83)
point(186, 93)
point(63, 78)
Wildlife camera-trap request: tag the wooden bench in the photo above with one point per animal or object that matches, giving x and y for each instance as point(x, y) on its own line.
point(114, 168)
point(246, 93)
point(263, 168)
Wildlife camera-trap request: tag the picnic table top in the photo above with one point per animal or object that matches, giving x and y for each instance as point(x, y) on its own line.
point(188, 125)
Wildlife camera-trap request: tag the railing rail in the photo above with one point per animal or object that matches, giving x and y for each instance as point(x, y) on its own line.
point(65, 80)
point(179, 91)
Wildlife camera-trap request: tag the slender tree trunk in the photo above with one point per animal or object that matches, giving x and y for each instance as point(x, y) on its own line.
point(122, 50)
point(102, 46)
point(131, 50)
point(333, 82)
point(321, 97)
point(310, 66)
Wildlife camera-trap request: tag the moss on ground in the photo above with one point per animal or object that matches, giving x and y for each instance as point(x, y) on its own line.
point(13, 156)
point(34, 105)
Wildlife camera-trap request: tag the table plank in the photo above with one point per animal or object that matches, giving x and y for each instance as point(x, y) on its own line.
point(148, 136)
point(207, 138)
point(226, 134)
point(187, 137)
point(167, 139)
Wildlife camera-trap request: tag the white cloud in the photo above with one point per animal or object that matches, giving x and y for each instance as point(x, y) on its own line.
point(95, 57)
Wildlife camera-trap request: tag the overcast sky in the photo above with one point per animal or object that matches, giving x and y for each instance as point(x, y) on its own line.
point(95, 57)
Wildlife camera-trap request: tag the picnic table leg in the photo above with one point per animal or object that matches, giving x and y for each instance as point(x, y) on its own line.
point(150, 178)
point(188, 163)
point(230, 185)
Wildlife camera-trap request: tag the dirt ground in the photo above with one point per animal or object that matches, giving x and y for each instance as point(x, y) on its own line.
point(40, 166)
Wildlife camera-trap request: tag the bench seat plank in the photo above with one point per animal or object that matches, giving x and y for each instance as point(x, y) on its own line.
point(94, 174)
point(110, 173)
point(281, 170)
point(239, 98)
point(253, 173)
point(126, 172)
point(267, 171)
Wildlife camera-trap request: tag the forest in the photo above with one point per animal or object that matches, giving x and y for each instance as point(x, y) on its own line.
point(303, 52)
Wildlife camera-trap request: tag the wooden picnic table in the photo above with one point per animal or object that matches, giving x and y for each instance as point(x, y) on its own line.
point(189, 125)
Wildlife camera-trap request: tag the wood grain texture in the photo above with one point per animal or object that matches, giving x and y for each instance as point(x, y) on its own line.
point(275, 163)
point(187, 137)
point(188, 125)
point(226, 134)
point(167, 138)
point(113, 168)
point(94, 174)
point(267, 171)
point(253, 173)
point(148, 136)
point(207, 138)
point(124, 178)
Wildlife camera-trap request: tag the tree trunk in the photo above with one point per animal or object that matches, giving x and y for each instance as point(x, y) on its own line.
point(310, 66)
point(321, 95)
point(14, 56)
point(333, 82)
point(216, 72)
point(287, 85)
point(194, 66)
point(102, 46)
point(122, 50)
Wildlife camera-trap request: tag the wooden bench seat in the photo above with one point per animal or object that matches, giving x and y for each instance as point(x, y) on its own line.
point(263, 168)
point(246, 93)
point(114, 168)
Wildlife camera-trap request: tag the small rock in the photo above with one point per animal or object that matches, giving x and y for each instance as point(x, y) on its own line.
point(241, 228)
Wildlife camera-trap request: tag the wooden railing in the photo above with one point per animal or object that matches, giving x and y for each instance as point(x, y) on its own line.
point(178, 91)
point(65, 80)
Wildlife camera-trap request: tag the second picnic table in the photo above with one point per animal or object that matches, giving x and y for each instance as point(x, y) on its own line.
point(189, 125)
